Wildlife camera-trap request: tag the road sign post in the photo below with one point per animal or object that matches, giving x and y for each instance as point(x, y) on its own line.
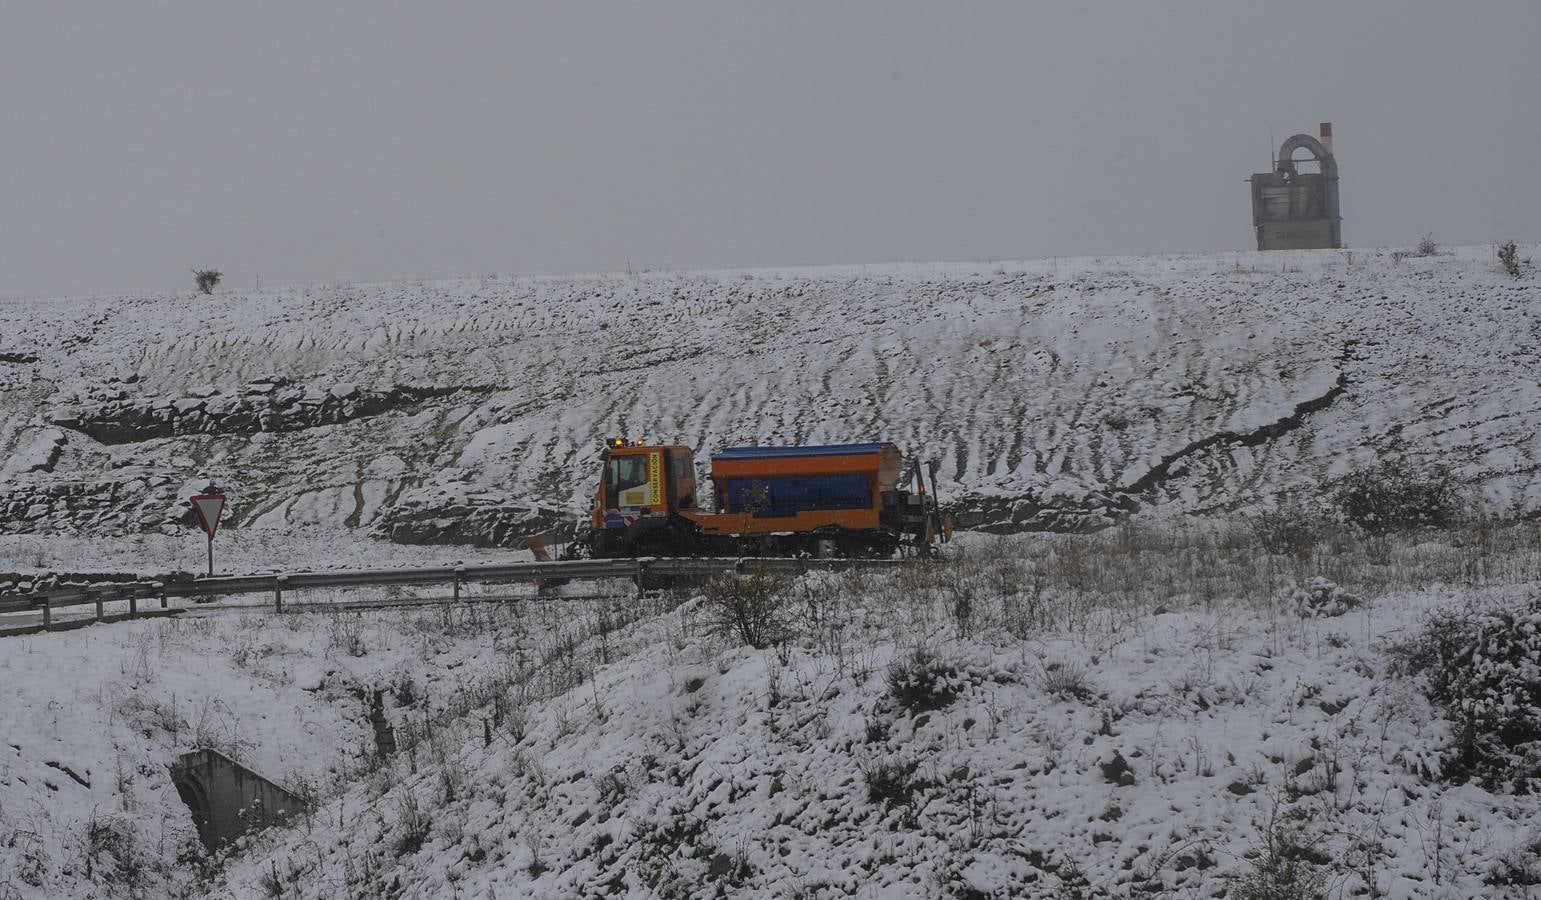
point(208, 508)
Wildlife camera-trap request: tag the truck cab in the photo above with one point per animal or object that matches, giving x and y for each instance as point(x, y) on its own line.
point(641, 481)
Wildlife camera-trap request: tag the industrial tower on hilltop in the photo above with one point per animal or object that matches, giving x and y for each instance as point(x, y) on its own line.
point(1295, 207)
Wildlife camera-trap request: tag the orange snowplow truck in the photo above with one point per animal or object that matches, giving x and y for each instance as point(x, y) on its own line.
point(837, 500)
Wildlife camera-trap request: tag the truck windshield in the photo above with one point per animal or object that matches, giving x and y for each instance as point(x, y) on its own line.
point(627, 472)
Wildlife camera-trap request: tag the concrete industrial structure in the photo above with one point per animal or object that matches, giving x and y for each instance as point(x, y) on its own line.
point(227, 799)
point(1294, 209)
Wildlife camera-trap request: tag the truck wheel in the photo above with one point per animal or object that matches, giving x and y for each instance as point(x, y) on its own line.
point(653, 540)
point(653, 545)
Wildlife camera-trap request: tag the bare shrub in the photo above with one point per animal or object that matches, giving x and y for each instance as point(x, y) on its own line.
point(1291, 529)
point(207, 279)
point(923, 576)
point(1427, 246)
point(748, 607)
point(892, 782)
point(535, 842)
point(1006, 575)
point(1289, 865)
point(412, 824)
point(345, 632)
point(271, 882)
point(145, 715)
point(1067, 679)
point(1508, 257)
point(31, 855)
point(218, 728)
point(276, 883)
point(961, 594)
point(1392, 496)
point(1025, 613)
point(405, 689)
point(920, 682)
point(512, 713)
point(818, 596)
point(451, 773)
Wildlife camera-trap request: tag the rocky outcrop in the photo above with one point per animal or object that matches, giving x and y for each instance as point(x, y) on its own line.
point(1082, 513)
point(38, 453)
point(1171, 464)
point(111, 506)
point(480, 521)
point(1088, 511)
point(17, 358)
point(270, 404)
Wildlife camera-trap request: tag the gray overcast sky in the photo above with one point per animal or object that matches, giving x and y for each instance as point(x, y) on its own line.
point(347, 141)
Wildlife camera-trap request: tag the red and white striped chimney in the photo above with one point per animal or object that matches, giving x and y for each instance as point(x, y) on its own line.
point(1327, 137)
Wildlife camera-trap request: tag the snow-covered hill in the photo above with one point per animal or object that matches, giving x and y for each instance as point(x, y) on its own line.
point(1054, 393)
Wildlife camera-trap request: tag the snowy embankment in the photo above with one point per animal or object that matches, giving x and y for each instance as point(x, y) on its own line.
point(94, 718)
point(1054, 394)
point(1132, 714)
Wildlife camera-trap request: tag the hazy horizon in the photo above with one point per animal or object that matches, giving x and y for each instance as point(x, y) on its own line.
point(354, 142)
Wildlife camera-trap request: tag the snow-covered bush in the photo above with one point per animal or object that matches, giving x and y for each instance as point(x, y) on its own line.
point(1391, 496)
point(24, 862)
point(1483, 667)
point(1520, 867)
point(920, 682)
point(113, 852)
point(1323, 599)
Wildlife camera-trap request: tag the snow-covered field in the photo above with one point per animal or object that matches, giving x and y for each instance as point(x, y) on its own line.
point(1134, 713)
point(1130, 714)
point(1053, 392)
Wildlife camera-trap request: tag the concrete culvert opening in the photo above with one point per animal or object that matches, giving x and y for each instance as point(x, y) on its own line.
point(197, 800)
point(227, 799)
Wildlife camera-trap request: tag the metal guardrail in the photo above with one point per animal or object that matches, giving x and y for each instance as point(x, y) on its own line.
point(277, 583)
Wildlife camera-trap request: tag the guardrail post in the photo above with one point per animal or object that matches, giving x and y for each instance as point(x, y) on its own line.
point(459, 571)
point(278, 593)
point(98, 596)
point(133, 604)
point(641, 571)
point(48, 613)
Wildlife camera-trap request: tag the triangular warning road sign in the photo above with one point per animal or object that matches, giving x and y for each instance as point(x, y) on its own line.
point(208, 507)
